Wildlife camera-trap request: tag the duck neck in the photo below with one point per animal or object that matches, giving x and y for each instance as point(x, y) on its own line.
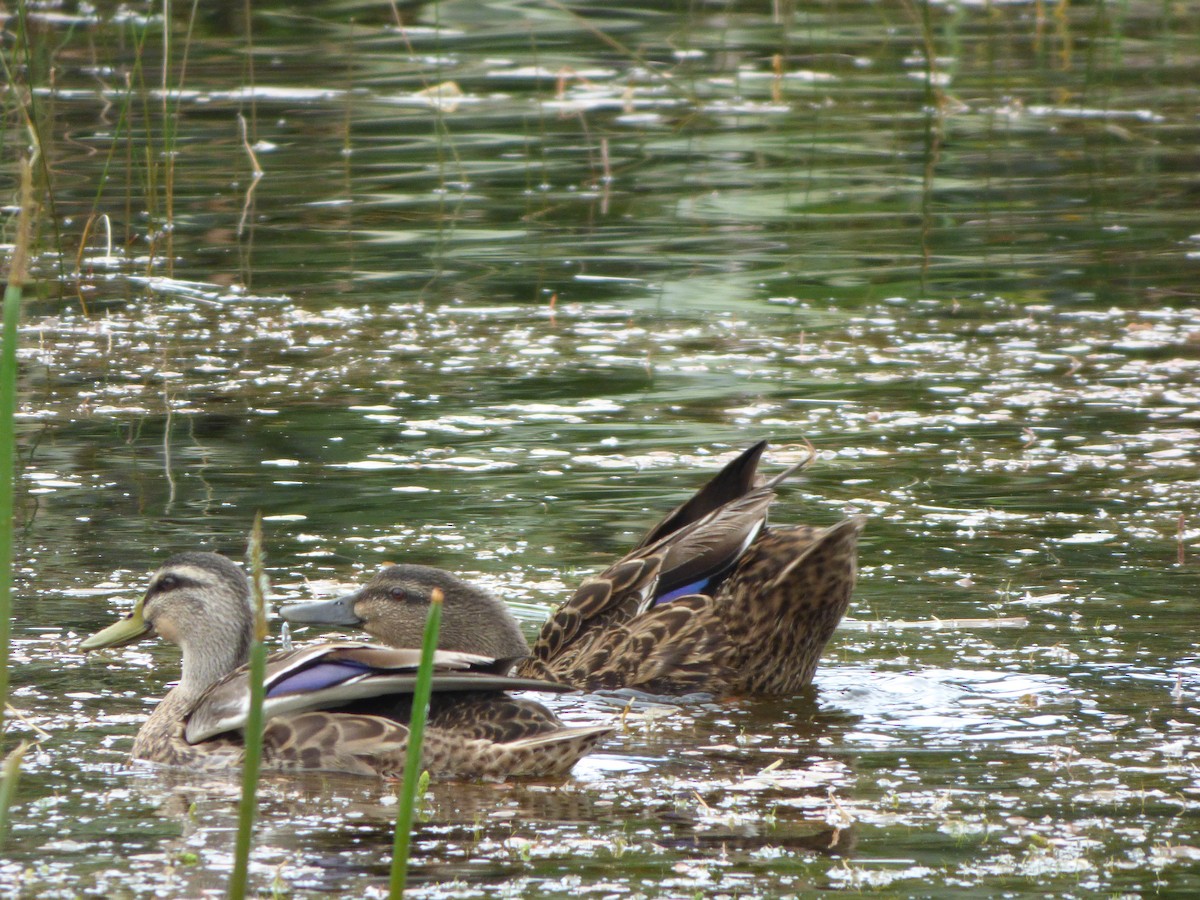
point(206, 660)
point(210, 656)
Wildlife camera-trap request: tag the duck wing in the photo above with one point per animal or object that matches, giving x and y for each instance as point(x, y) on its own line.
point(677, 648)
point(329, 676)
point(692, 559)
point(733, 481)
point(737, 479)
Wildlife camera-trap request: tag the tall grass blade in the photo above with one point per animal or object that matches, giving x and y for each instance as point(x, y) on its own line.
point(252, 763)
point(412, 761)
point(18, 273)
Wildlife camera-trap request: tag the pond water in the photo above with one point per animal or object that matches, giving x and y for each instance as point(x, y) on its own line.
point(516, 278)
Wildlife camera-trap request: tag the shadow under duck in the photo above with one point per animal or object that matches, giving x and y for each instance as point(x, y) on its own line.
point(333, 707)
point(711, 600)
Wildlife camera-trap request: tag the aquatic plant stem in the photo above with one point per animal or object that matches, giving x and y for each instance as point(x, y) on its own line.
point(252, 762)
point(18, 272)
point(412, 761)
point(8, 378)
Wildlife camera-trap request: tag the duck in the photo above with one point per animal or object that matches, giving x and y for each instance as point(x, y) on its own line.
point(334, 707)
point(712, 600)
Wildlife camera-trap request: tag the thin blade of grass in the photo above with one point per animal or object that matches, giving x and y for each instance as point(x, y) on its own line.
point(406, 804)
point(18, 272)
point(252, 763)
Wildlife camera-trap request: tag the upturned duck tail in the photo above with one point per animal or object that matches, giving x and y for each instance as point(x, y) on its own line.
point(792, 588)
point(738, 478)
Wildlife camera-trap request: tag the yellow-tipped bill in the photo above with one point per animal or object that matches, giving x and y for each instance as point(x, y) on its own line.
point(124, 631)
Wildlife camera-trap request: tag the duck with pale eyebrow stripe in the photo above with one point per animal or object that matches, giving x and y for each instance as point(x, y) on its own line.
point(333, 707)
point(712, 600)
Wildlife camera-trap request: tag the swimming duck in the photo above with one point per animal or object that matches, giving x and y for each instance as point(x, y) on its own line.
point(711, 600)
point(335, 707)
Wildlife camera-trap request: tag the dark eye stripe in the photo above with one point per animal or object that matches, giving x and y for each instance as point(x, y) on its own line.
point(172, 583)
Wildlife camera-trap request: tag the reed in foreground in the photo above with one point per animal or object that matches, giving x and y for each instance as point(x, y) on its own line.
point(412, 762)
point(253, 734)
point(17, 274)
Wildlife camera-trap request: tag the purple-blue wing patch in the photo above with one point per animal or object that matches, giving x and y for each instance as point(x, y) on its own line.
point(696, 587)
point(316, 677)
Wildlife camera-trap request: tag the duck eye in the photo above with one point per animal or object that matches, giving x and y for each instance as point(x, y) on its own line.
point(168, 583)
point(398, 593)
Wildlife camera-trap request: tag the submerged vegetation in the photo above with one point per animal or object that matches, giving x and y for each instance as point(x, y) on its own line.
point(485, 288)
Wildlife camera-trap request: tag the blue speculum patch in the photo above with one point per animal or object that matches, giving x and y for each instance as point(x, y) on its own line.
point(316, 677)
point(696, 587)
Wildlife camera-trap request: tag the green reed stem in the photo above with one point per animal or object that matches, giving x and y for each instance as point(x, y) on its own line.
point(8, 391)
point(412, 760)
point(18, 272)
point(252, 763)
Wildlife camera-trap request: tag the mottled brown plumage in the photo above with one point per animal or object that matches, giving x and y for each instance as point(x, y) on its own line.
point(761, 632)
point(711, 600)
point(334, 707)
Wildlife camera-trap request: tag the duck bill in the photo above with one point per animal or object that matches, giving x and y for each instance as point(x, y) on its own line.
point(339, 611)
point(132, 628)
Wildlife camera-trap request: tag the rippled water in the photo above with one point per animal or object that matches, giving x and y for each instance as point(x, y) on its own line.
point(514, 280)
